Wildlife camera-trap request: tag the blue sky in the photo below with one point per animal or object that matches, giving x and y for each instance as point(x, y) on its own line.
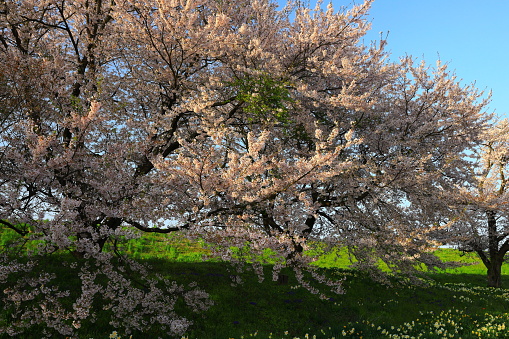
point(470, 35)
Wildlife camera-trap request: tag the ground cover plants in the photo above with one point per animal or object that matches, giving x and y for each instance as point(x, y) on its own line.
point(453, 304)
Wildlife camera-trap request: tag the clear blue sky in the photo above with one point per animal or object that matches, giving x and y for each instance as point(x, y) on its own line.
point(471, 35)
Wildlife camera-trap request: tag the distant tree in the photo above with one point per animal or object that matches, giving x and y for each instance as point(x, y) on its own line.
point(483, 225)
point(237, 122)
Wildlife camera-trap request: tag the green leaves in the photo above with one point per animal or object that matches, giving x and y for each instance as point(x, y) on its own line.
point(266, 99)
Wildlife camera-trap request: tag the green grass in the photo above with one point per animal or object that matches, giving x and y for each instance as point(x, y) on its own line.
point(455, 304)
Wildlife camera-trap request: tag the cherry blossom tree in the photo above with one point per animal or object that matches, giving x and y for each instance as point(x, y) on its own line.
point(481, 207)
point(233, 121)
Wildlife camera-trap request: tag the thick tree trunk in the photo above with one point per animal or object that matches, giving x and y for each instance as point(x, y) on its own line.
point(496, 257)
point(495, 274)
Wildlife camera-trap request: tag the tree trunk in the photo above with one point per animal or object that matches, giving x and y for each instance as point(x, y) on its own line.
point(495, 274)
point(496, 257)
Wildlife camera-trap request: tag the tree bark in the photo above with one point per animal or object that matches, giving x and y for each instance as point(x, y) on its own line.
point(496, 255)
point(495, 274)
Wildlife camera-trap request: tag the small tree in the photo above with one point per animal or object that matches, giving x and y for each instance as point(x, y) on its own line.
point(484, 226)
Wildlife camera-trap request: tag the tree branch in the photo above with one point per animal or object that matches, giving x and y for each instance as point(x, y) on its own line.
point(14, 228)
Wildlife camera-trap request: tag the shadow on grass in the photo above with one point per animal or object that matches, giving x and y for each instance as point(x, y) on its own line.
point(286, 310)
point(271, 308)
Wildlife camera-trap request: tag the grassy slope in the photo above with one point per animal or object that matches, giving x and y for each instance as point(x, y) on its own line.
point(457, 301)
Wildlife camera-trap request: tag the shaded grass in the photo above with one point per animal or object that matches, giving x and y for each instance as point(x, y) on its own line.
point(277, 311)
point(368, 309)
